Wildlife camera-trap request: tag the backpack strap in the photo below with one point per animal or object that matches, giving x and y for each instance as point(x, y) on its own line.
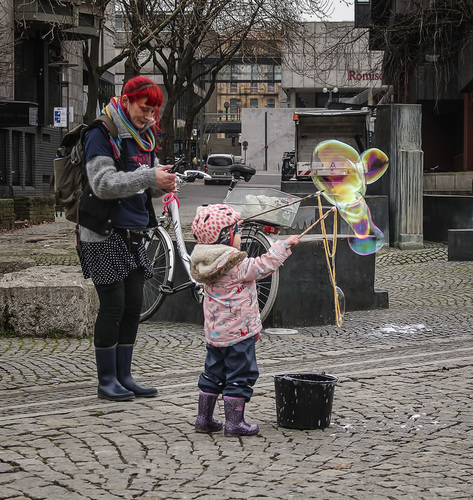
point(112, 128)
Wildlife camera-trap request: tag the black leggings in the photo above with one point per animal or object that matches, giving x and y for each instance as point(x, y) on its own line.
point(119, 312)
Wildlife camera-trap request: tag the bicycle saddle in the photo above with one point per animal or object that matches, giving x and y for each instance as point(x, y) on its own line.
point(242, 171)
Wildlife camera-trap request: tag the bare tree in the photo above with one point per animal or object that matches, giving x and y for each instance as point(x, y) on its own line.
point(205, 35)
point(7, 43)
point(141, 34)
point(428, 34)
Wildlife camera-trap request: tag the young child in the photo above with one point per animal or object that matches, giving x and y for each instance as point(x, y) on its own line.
point(231, 312)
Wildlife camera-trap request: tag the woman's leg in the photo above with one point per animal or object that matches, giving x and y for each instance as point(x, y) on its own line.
point(112, 306)
point(133, 293)
point(133, 300)
point(107, 326)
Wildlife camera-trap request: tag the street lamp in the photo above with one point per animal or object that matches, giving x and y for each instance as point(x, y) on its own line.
point(333, 90)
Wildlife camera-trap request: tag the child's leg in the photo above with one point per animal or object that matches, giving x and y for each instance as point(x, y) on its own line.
point(242, 373)
point(211, 383)
point(213, 379)
point(241, 369)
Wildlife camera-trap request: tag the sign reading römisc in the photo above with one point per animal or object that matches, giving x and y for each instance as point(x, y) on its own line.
point(364, 76)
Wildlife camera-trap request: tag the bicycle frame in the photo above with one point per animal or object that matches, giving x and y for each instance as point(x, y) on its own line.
point(173, 212)
point(164, 255)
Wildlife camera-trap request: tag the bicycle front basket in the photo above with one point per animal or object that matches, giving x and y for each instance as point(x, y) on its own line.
point(252, 201)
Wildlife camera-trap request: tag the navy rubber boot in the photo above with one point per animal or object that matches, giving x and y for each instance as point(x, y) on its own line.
point(124, 357)
point(235, 424)
point(109, 386)
point(205, 421)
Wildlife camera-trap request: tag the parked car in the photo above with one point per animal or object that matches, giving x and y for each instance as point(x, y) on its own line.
point(288, 170)
point(217, 166)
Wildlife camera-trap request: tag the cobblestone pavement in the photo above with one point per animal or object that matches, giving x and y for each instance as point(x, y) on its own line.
point(401, 426)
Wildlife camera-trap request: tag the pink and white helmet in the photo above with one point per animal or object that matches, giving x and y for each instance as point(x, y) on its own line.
point(210, 221)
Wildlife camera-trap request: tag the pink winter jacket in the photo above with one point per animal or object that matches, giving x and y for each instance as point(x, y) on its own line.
point(231, 309)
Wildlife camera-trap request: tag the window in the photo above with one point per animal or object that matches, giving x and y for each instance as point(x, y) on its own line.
point(16, 158)
point(271, 87)
point(233, 87)
point(254, 87)
point(122, 22)
point(3, 156)
point(271, 103)
point(253, 103)
point(29, 159)
point(235, 105)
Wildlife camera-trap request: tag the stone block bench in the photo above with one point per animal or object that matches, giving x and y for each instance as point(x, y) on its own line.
point(460, 244)
point(47, 300)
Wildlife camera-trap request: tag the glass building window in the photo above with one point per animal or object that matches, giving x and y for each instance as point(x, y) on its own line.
point(29, 159)
point(235, 105)
point(271, 103)
point(253, 103)
point(254, 87)
point(16, 158)
point(3, 156)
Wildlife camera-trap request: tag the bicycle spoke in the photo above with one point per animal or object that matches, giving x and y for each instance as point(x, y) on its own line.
point(255, 243)
point(159, 251)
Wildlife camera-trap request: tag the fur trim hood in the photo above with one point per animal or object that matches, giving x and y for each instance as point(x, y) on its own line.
point(210, 262)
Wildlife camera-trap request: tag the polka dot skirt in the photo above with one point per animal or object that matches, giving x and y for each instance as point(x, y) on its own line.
point(110, 261)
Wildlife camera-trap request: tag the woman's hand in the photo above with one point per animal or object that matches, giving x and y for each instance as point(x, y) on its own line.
point(165, 180)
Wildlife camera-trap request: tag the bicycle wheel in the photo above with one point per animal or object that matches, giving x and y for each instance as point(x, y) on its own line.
point(162, 255)
point(256, 243)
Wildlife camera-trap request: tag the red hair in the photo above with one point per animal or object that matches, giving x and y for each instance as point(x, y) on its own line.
point(141, 86)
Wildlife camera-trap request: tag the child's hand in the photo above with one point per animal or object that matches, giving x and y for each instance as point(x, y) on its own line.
point(293, 240)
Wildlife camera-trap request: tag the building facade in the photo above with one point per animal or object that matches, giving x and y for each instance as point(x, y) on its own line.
point(428, 60)
point(241, 84)
point(331, 68)
point(41, 57)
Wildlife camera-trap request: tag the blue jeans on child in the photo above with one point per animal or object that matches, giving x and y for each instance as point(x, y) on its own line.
point(231, 371)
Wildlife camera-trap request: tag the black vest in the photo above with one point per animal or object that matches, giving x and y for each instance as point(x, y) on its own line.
point(97, 214)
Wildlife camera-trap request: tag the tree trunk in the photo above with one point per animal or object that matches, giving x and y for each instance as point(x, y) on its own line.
point(167, 144)
point(94, 80)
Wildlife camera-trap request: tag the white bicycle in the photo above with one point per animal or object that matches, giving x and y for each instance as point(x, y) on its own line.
point(162, 251)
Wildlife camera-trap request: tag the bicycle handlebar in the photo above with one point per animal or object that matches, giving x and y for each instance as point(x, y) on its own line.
point(177, 164)
point(192, 175)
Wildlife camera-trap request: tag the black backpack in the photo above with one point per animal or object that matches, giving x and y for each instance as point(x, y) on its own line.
point(69, 166)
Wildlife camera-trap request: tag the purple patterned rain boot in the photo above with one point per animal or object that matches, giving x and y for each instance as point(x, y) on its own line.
point(235, 424)
point(205, 421)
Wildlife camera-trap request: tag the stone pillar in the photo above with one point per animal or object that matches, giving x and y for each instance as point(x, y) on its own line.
point(467, 132)
point(398, 132)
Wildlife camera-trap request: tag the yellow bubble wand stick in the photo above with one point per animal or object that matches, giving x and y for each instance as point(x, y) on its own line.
point(330, 255)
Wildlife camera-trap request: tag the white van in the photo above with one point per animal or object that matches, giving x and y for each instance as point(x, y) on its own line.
point(217, 166)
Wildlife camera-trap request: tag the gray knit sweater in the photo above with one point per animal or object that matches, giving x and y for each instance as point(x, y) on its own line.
point(108, 183)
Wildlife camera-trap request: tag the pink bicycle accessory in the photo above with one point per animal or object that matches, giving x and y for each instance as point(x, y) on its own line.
point(210, 221)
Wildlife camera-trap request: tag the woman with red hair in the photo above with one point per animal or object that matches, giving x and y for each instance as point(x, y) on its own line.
point(115, 211)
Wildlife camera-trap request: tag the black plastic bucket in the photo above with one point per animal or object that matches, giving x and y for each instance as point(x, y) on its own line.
point(304, 400)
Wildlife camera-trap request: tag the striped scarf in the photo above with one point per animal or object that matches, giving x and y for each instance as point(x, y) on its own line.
point(147, 144)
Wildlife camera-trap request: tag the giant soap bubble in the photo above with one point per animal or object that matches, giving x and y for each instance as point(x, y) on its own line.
point(342, 175)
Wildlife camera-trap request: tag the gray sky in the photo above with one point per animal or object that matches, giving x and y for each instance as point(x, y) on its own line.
point(342, 12)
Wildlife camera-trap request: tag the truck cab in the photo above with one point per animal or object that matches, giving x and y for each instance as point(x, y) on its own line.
point(312, 127)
